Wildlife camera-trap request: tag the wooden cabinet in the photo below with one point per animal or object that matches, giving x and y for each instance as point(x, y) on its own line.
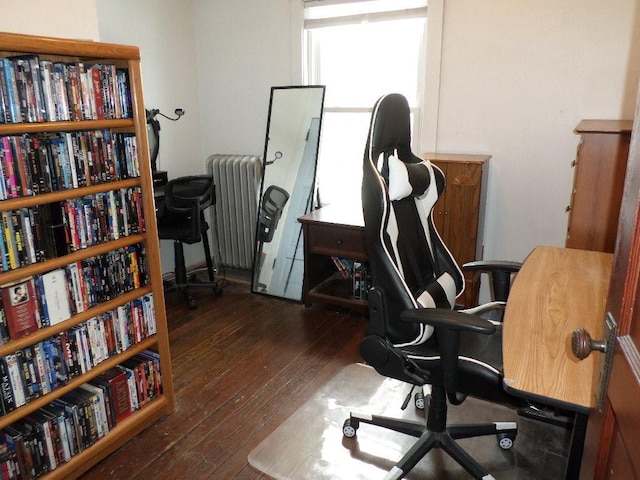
point(127, 59)
point(332, 231)
point(600, 167)
point(459, 213)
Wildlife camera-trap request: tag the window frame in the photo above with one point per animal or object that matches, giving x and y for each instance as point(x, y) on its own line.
point(312, 74)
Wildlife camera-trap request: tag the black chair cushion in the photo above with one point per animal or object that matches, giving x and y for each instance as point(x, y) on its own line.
point(173, 226)
point(480, 365)
point(185, 199)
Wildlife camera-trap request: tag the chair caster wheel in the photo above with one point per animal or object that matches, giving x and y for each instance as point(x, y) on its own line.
point(505, 440)
point(418, 400)
point(350, 427)
point(191, 303)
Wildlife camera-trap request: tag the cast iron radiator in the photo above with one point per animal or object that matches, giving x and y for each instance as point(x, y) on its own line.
point(234, 215)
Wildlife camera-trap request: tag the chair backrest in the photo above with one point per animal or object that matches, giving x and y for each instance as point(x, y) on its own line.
point(185, 199)
point(271, 207)
point(182, 194)
point(409, 262)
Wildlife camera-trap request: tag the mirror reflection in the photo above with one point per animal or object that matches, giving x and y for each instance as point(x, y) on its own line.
point(288, 188)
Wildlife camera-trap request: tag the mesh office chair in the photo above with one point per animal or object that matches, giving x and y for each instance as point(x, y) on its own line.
point(273, 202)
point(182, 220)
point(271, 208)
point(414, 335)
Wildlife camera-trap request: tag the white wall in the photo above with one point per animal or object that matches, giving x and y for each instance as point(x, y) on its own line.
point(516, 78)
point(66, 18)
point(217, 60)
point(164, 32)
point(244, 48)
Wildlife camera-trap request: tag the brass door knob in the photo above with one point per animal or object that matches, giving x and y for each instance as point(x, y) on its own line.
point(582, 344)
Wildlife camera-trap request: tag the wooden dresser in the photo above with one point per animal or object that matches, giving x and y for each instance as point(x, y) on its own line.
point(600, 167)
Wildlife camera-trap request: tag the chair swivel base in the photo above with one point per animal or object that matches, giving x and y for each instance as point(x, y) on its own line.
point(185, 286)
point(438, 436)
point(183, 280)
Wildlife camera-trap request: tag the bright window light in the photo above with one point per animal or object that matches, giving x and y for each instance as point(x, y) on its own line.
point(359, 62)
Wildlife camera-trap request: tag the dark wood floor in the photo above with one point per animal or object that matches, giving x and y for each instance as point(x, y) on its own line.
point(242, 364)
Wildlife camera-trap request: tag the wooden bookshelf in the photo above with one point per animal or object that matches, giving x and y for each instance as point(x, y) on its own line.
point(123, 57)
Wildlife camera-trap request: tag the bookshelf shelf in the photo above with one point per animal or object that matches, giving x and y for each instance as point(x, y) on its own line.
point(51, 197)
point(74, 383)
point(46, 332)
point(111, 442)
point(125, 60)
point(35, 268)
point(70, 126)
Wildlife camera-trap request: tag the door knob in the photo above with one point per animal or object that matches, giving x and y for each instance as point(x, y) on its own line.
point(582, 344)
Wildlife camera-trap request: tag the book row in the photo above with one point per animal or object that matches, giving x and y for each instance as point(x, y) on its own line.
point(53, 435)
point(32, 164)
point(361, 281)
point(355, 271)
point(35, 234)
point(38, 369)
point(50, 298)
point(40, 90)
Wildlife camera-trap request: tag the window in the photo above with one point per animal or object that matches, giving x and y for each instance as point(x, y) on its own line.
point(360, 50)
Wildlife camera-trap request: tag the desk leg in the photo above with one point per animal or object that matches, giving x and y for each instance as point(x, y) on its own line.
point(576, 447)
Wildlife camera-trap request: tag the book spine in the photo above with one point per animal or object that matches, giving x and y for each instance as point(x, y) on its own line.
point(6, 387)
point(15, 378)
point(4, 252)
point(15, 114)
point(46, 76)
point(9, 169)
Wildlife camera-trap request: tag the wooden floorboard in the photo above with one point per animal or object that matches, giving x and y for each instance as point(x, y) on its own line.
point(242, 364)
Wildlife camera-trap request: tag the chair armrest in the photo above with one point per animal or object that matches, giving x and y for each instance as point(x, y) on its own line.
point(449, 319)
point(448, 324)
point(493, 266)
point(500, 273)
point(492, 311)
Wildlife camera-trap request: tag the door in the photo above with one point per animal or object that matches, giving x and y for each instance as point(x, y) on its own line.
point(612, 446)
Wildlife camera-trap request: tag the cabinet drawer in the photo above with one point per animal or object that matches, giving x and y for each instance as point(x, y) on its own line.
point(337, 241)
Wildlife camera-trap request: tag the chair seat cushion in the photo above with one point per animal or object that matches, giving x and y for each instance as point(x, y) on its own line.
point(178, 227)
point(480, 365)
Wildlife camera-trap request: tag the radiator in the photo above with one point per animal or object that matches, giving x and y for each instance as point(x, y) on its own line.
point(234, 215)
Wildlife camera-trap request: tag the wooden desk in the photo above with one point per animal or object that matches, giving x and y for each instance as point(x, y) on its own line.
point(332, 231)
point(556, 291)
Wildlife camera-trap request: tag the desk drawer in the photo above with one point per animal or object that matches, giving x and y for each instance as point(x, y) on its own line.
point(337, 241)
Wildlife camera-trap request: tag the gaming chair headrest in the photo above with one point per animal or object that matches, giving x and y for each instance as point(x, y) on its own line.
point(390, 148)
point(391, 127)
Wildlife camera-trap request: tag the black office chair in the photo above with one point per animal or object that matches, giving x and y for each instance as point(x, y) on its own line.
point(182, 220)
point(414, 335)
point(273, 202)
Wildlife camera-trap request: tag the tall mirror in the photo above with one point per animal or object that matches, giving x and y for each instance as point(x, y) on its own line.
point(288, 188)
